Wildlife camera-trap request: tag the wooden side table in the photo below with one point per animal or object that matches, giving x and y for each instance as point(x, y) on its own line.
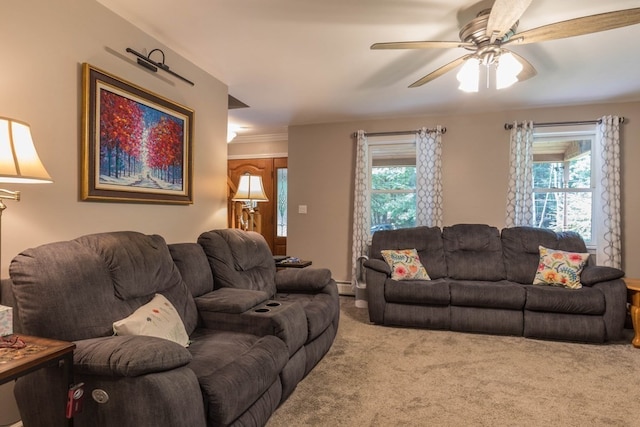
point(633, 289)
point(37, 353)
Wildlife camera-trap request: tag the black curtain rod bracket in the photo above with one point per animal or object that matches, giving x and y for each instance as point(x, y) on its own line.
point(151, 65)
point(509, 126)
point(400, 132)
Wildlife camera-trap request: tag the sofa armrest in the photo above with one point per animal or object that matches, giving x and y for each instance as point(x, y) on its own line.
point(308, 279)
point(286, 320)
point(128, 356)
point(597, 273)
point(230, 300)
point(378, 272)
point(378, 265)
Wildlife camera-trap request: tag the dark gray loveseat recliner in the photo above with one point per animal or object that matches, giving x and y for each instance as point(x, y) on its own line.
point(255, 333)
point(482, 282)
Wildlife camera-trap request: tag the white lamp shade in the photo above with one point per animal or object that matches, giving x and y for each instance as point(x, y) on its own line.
point(250, 189)
point(469, 75)
point(507, 70)
point(19, 161)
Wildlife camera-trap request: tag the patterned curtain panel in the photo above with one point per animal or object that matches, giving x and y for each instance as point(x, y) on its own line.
point(607, 203)
point(520, 194)
point(361, 206)
point(429, 177)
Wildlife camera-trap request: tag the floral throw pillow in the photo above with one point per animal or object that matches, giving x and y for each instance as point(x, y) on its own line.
point(405, 264)
point(560, 268)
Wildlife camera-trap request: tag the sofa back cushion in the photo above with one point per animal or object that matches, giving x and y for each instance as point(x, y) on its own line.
point(426, 240)
point(473, 252)
point(239, 259)
point(521, 249)
point(193, 266)
point(76, 289)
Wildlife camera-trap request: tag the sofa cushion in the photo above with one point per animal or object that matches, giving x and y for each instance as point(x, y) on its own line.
point(86, 273)
point(560, 268)
point(562, 300)
point(193, 266)
point(435, 292)
point(137, 263)
point(502, 294)
point(239, 259)
point(157, 318)
point(473, 252)
point(520, 246)
point(426, 240)
point(405, 264)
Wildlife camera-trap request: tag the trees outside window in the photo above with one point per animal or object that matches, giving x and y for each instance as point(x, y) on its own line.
point(393, 185)
point(393, 197)
point(563, 181)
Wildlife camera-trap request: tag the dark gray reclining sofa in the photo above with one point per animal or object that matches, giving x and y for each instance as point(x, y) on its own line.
point(255, 333)
point(482, 282)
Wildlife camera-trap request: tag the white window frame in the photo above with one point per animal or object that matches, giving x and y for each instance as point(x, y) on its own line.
point(583, 132)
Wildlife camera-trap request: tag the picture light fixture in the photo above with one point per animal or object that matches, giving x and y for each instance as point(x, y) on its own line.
point(152, 65)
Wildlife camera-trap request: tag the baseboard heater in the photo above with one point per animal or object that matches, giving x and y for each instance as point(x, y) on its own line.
point(345, 288)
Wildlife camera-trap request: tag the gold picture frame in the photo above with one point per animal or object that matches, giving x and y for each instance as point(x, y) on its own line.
point(136, 145)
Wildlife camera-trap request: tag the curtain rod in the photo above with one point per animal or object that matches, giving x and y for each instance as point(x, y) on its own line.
point(509, 126)
point(400, 132)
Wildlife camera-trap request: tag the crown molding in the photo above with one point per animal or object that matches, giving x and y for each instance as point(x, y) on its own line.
point(257, 156)
point(269, 137)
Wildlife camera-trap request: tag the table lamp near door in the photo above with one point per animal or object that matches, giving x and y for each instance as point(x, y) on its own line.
point(19, 161)
point(250, 191)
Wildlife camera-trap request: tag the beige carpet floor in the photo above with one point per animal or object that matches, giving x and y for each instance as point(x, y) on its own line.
point(384, 376)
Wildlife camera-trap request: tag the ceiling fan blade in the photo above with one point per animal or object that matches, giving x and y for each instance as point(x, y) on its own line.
point(579, 26)
point(420, 45)
point(440, 71)
point(528, 70)
point(504, 13)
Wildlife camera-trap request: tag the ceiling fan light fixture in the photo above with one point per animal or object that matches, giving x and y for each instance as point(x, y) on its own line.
point(507, 70)
point(469, 75)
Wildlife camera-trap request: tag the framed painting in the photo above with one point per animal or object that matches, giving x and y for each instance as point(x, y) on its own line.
point(136, 145)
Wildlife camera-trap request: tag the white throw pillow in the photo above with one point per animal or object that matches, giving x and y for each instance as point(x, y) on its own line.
point(157, 318)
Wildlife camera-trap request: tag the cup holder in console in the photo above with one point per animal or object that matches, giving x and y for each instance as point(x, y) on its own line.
point(267, 307)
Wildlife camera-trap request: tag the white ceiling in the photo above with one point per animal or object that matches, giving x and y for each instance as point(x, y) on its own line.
point(308, 61)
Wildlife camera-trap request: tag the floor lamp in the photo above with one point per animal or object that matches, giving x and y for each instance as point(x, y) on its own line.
point(19, 164)
point(19, 161)
point(250, 190)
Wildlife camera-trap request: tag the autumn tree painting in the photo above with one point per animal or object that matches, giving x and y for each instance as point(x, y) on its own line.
point(139, 146)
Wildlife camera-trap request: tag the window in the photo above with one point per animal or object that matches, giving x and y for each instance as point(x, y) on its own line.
point(393, 184)
point(564, 183)
point(281, 202)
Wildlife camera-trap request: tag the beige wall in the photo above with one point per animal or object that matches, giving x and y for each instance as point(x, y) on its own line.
point(475, 161)
point(259, 149)
point(44, 44)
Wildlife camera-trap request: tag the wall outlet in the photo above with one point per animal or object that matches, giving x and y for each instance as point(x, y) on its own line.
point(302, 209)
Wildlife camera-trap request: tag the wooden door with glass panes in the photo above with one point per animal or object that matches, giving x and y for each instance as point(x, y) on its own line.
point(272, 212)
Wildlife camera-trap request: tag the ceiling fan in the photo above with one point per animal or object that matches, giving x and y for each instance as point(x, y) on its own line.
point(492, 29)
